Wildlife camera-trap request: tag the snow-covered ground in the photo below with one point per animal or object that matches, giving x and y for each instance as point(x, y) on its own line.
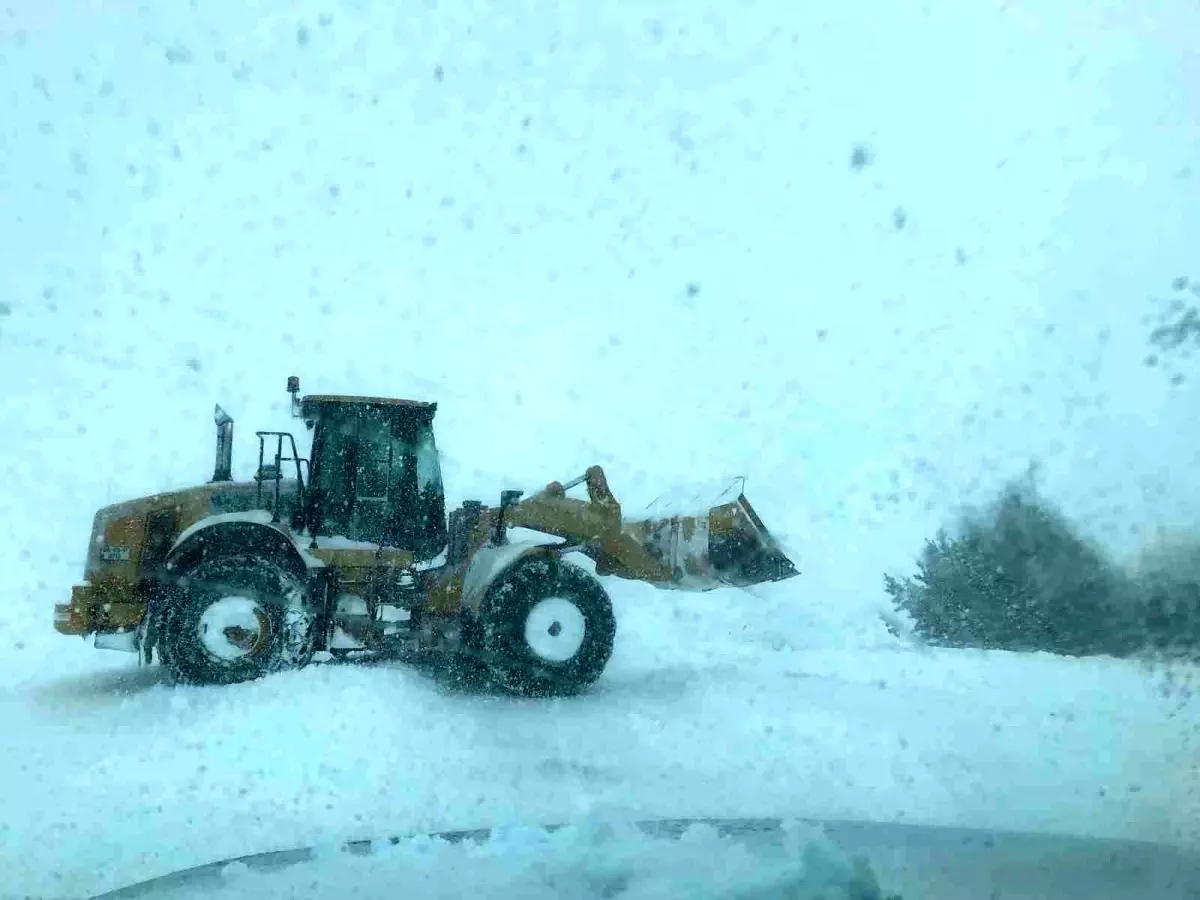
point(871, 256)
point(720, 705)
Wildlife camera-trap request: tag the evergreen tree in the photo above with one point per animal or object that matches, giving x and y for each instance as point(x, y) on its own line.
point(1016, 576)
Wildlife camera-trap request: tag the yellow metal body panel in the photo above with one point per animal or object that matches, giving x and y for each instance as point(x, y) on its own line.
point(357, 558)
point(443, 595)
point(127, 532)
point(194, 503)
point(596, 523)
point(73, 617)
point(108, 605)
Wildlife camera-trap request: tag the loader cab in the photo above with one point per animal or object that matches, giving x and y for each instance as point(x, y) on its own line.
point(375, 475)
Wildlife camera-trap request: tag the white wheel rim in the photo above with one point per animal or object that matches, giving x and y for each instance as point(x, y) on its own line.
point(233, 628)
point(554, 629)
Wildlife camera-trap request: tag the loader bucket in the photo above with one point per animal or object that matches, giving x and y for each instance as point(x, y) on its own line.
point(727, 546)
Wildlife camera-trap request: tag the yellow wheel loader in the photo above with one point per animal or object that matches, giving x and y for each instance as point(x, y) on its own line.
point(351, 551)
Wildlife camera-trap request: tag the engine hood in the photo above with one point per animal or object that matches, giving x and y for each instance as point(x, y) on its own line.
point(119, 530)
point(730, 859)
point(212, 499)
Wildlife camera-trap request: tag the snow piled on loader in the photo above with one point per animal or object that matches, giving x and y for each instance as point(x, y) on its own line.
point(693, 499)
point(872, 257)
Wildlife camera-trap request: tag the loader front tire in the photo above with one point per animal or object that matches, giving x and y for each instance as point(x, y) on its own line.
point(546, 628)
point(236, 619)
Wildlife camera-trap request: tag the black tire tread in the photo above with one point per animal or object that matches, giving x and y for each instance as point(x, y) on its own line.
point(500, 632)
point(291, 638)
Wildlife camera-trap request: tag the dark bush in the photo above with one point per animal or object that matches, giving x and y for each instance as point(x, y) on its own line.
point(1016, 576)
point(1169, 583)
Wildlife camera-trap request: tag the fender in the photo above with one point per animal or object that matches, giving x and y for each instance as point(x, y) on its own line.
point(490, 563)
point(224, 534)
point(232, 534)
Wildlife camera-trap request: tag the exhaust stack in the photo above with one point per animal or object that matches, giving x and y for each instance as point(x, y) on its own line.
point(293, 386)
point(223, 470)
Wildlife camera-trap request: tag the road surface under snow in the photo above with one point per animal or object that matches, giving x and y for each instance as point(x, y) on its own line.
point(727, 704)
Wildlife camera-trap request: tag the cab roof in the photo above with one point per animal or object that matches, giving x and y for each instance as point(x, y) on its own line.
point(371, 401)
point(320, 406)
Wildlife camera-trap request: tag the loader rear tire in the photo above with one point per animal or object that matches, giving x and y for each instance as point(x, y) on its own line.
point(236, 619)
point(546, 628)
